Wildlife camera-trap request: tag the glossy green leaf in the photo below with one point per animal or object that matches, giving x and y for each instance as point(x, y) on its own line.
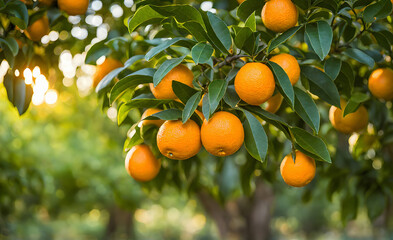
point(201, 53)
point(96, 51)
point(355, 101)
point(255, 138)
point(282, 38)
point(221, 30)
point(231, 98)
point(143, 15)
point(311, 144)
point(191, 106)
point(283, 82)
point(332, 67)
point(182, 91)
point(307, 109)
point(360, 56)
point(320, 35)
point(217, 90)
point(378, 10)
point(166, 44)
point(169, 114)
point(165, 68)
point(251, 22)
point(321, 85)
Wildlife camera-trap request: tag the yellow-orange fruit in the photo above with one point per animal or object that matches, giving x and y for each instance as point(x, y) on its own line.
point(73, 7)
point(254, 83)
point(223, 134)
point(141, 164)
point(380, 83)
point(352, 122)
point(38, 29)
point(279, 15)
point(274, 103)
point(149, 112)
point(106, 67)
point(179, 141)
point(298, 173)
point(180, 73)
point(290, 66)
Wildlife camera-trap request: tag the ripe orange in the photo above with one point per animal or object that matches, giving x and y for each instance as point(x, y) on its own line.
point(279, 15)
point(298, 173)
point(38, 29)
point(274, 103)
point(352, 122)
point(223, 134)
point(149, 112)
point(380, 83)
point(180, 73)
point(241, 1)
point(254, 83)
point(141, 164)
point(73, 7)
point(106, 67)
point(179, 141)
point(290, 66)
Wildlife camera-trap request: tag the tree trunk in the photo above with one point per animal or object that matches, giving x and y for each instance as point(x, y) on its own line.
point(120, 222)
point(243, 218)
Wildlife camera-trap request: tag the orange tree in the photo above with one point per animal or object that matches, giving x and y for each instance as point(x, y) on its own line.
point(291, 88)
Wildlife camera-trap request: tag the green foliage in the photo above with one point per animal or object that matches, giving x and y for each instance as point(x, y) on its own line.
point(338, 36)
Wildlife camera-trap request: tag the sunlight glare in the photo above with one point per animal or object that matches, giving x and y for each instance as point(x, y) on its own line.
point(51, 96)
point(28, 75)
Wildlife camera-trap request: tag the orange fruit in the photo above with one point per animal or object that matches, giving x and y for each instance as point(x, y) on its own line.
point(73, 7)
point(254, 83)
point(149, 112)
point(38, 29)
point(46, 2)
point(241, 1)
point(180, 73)
point(380, 83)
point(223, 134)
point(279, 15)
point(106, 67)
point(290, 66)
point(179, 141)
point(141, 164)
point(352, 122)
point(274, 103)
point(297, 173)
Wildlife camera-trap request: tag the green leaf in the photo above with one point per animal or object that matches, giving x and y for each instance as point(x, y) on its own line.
point(191, 105)
point(197, 31)
point(307, 110)
point(201, 53)
point(332, 67)
point(18, 93)
point(378, 10)
point(166, 44)
point(345, 79)
point(183, 91)
point(376, 203)
point(221, 30)
point(349, 208)
point(282, 38)
point(248, 7)
point(131, 81)
point(11, 44)
point(169, 114)
point(18, 14)
point(255, 138)
point(360, 56)
point(354, 102)
point(321, 85)
point(96, 51)
point(165, 68)
point(217, 90)
point(313, 145)
point(143, 15)
point(206, 107)
point(134, 137)
point(320, 35)
point(245, 39)
point(251, 22)
point(284, 83)
point(105, 81)
point(182, 13)
point(270, 118)
point(382, 40)
point(231, 97)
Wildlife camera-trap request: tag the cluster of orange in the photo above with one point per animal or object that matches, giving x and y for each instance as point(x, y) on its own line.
point(223, 134)
point(40, 27)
